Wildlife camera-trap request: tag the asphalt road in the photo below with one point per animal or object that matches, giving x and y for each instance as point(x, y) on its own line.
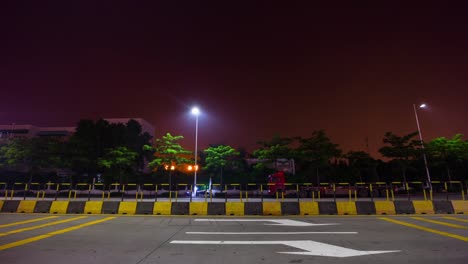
point(39, 238)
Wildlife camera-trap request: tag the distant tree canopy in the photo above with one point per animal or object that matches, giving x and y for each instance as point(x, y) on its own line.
point(217, 157)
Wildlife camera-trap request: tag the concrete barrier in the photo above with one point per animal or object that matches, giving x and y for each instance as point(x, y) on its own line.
point(404, 207)
point(290, 208)
point(443, 207)
point(162, 208)
point(1, 205)
point(309, 208)
point(93, 207)
point(42, 207)
point(384, 208)
point(216, 209)
point(76, 207)
point(59, 207)
point(180, 208)
point(253, 208)
point(423, 207)
point(10, 206)
point(346, 208)
point(198, 208)
point(271, 208)
point(144, 208)
point(128, 208)
point(365, 208)
point(327, 208)
point(235, 208)
point(26, 206)
point(109, 207)
point(460, 207)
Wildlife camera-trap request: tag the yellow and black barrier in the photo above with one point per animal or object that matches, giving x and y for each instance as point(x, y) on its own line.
point(269, 208)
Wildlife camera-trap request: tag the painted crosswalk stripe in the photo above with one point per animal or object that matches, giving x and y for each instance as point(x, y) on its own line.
point(269, 233)
point(28, 221)
point(41, 226)
point(440, 223)
point(58, 232)
point(425, 229)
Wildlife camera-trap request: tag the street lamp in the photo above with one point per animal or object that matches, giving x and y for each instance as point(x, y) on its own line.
point(196, 113)
point(422, 145)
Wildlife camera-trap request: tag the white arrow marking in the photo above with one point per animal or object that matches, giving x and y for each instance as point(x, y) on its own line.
point(269, 233)
point(279, 222)
point(311, 248)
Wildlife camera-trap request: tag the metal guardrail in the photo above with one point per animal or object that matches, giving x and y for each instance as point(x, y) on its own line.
point(415, 190)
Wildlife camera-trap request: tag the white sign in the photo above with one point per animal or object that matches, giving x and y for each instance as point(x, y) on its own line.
point(280, 222)
point(311, 248)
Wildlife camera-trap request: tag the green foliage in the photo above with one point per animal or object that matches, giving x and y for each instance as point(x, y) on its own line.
point(448, 152)
point(277, 148)
point(218, 157)
point(167, 151)
point(318, 149)
point(118, 159)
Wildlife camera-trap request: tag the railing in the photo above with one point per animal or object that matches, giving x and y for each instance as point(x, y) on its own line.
point(391, 191)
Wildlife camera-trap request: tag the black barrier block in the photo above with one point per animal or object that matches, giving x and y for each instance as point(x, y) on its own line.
point(404, 207)
point(10, 206)
point(443, 207)
point(327, 208)
point(43, 207)
point(365, 208)
point(76, 207)
point(216, 209)
point(180, 208)
point(110, 207)
point(290, 208)
point(144, 208)
point(253, 208)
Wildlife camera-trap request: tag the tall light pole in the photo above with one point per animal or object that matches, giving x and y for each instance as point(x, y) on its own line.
point(195, 112)
point(422, 145)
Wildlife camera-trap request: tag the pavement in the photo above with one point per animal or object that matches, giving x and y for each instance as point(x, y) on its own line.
point(44, 238)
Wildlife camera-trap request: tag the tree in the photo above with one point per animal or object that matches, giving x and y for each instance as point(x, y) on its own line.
point(362, 165)
point(270, 151)
point(168, 152)
point(448, 152)
point(401, 149)
point(32, 153)
point(316, 151)
point(218, 157)
point(118, 159)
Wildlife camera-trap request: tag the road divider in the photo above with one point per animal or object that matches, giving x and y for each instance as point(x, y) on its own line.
point(266, 208)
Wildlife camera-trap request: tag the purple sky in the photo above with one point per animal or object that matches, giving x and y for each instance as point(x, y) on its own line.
point(255, 70)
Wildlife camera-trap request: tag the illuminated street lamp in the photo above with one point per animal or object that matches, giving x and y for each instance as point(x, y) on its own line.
point(196, 113)
point(170, 169)
point(422, 145)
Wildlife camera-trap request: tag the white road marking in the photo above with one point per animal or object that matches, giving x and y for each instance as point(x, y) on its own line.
point(311, 248)
point(279, 222)
point(268, 233)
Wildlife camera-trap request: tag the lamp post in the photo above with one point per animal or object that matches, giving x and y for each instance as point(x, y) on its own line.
point(422, 145)
point(195, 112)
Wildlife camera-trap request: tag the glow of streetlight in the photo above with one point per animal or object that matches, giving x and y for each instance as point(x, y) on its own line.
point(423, 106)
point(429, 182)
point(195, 111)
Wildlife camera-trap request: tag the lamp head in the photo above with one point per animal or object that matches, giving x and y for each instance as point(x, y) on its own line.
point(423, 106)
point(195, 111)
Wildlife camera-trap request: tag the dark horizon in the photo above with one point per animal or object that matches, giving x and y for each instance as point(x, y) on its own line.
point(255, 71)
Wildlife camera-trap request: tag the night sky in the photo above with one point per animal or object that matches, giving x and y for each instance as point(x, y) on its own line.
point(255, 70)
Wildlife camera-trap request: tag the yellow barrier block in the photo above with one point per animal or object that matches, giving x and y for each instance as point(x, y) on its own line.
point(198, 208)
point(235, 208)
point(385, 207)
point(93, 207)
point(271, 208)
point(26, 207)
point(460, 207)
point(423, 207)
point(127, 208)
point(59, 207)
point(1, 204)
point(162, 208)
point(309, 208)
point(346, 208)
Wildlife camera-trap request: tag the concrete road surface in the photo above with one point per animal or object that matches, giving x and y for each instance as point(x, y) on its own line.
point(70, 239)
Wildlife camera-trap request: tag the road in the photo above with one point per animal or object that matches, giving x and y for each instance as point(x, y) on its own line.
point(41, 238)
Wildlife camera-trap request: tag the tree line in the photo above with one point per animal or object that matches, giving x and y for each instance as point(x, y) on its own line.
point(103, 152)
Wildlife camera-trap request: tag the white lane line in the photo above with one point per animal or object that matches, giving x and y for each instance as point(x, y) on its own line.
point(279, 222)
point(310, 247)
point(269, 233)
